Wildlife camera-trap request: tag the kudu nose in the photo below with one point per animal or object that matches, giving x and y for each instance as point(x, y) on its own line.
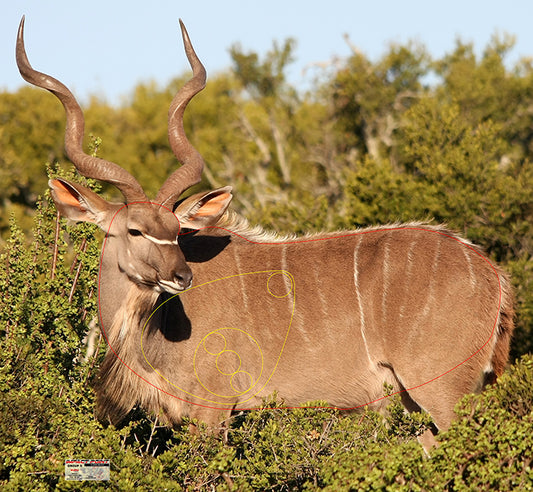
point(183, 278)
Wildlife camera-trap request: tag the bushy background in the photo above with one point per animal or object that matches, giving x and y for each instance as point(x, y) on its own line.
point(404, 137)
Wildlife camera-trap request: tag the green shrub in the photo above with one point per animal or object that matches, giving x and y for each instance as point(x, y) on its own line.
point(47, 408)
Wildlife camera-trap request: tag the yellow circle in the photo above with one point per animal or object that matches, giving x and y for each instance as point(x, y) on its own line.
point(214, 344)
point(276, 285)
point(248, 386)
point(219, 359)
point(224, 355)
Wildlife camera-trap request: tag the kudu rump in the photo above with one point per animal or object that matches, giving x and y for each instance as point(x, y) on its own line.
point(205, 315)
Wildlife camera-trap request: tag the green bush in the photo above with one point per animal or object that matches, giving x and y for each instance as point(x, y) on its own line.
point(47, 408)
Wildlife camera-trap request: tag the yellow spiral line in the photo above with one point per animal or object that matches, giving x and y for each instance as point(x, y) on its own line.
point(272, 273)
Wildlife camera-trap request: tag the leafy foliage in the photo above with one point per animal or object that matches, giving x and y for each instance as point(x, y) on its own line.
point(372, 144)
point(47, 416)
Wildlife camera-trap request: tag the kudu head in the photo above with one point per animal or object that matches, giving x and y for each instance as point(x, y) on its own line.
point(143, 234)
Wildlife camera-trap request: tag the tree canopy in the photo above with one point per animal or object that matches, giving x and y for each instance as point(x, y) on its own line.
point(402, 138)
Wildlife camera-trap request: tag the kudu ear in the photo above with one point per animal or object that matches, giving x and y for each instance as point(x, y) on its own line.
point(76, 202)
point(203, 209)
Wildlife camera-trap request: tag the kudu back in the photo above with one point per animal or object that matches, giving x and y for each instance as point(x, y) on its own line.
point(205, 315)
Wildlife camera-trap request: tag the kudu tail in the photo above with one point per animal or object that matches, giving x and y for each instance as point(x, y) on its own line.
point(504, 331)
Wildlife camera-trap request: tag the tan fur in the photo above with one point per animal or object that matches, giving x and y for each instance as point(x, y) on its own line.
point(232, 314)
point(420, 315)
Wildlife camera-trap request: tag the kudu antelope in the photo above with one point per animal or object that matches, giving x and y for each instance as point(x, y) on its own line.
point(205, 315)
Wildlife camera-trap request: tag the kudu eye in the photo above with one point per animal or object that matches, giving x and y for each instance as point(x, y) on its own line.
point(134, 232)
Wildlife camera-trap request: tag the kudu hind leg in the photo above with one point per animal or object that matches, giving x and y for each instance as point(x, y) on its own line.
point(412, 404)
point(439, 397)
point(427, 438)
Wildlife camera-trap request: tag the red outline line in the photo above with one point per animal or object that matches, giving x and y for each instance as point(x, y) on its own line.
point(351, 234)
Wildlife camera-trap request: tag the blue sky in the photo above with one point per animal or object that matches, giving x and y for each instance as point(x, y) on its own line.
point(106, 47)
